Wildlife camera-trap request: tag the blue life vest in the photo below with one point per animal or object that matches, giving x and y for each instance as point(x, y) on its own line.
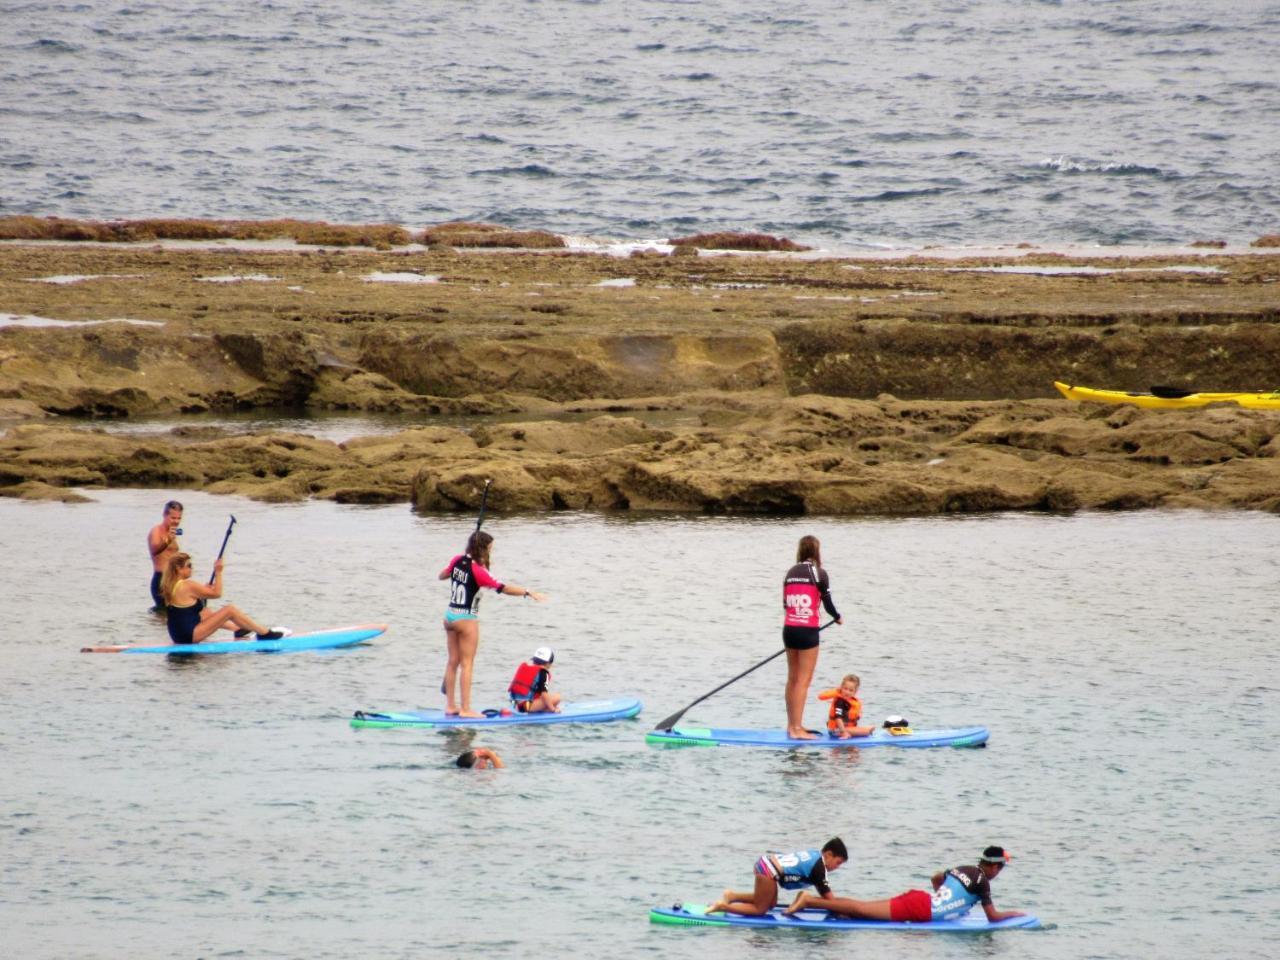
point(798, 868)
point(952, 899)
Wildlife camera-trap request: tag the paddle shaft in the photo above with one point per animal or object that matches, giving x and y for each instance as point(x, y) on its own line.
point(484, 498)
point(223, 548)
point(671, 721)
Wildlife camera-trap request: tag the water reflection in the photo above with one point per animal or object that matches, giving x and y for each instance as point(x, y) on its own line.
point(340, 426)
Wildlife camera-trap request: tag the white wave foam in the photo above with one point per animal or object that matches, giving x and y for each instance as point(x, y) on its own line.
point(64, 278)
point(400, 278)
point(613, 247)
point(1065, 270)
point(1067, 164)
point(28, 320)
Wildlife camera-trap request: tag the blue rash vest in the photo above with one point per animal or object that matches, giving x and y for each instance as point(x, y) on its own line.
point(802, 868)
point(961, 888)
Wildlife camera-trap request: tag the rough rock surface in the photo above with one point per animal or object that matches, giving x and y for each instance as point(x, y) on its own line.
point(714, 384)
point(808, 454)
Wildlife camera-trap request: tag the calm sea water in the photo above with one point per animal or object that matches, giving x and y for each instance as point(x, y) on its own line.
point(1126, 665)
point(842, 123)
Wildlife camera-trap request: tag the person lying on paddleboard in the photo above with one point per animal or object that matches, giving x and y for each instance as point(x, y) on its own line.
point(846, 709)
point(162, 543)
point(528, 688)
point(467, 573)
point(481, 758)
point(954, 892)
point(190, 619)
point(803, 587)
point(790, 871)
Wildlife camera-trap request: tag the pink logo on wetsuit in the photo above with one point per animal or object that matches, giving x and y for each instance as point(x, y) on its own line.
point(801, 596)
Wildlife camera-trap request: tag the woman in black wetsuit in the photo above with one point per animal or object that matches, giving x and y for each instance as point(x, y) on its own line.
point(190, 621)
point(803, 588)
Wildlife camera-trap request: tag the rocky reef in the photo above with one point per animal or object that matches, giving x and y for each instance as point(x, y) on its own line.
point(724, 384)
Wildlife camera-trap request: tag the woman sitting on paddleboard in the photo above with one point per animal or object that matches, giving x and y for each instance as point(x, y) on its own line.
point(190, 620)
point(803, 587)
point(467, 573)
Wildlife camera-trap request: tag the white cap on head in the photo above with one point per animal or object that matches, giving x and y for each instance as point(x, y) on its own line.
point(544, 655)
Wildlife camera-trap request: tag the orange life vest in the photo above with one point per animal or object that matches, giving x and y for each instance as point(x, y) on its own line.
point(846, 709)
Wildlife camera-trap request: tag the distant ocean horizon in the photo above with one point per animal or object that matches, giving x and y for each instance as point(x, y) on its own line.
point(841, 125)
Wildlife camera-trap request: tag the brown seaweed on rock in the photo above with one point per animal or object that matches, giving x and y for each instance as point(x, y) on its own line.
point(482, 235)
point(380, 236)
point(738, 241)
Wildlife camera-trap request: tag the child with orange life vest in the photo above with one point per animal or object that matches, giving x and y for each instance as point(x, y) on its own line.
point(846, 709)
point(528, 689)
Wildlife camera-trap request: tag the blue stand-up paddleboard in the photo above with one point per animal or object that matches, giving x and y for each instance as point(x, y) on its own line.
point(320, 640)
point(721, 737)
point(695, 915)
point(587, 711)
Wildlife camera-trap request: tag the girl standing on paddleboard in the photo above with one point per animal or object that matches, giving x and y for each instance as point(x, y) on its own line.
point(467, 573)
point(804, 586)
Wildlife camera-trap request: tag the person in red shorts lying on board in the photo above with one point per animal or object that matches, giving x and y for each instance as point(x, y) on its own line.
point(954, 892)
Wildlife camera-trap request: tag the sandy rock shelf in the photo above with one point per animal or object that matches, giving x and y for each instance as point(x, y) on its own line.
point(802, 385)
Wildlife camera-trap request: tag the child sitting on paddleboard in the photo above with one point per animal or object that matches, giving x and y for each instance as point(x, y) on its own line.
point(791, 871)
point(528, 689)
point(846, 709)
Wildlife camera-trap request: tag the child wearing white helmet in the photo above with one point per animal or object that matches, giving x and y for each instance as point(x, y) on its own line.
point(528, 688)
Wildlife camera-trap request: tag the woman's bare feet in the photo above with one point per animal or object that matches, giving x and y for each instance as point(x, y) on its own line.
point(470, 713)
point(717, 907)
point(801, 734)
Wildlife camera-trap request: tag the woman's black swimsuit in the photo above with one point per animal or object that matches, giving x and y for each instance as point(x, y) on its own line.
point(183, 621)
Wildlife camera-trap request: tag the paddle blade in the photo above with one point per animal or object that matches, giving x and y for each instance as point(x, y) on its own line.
point(671, 721)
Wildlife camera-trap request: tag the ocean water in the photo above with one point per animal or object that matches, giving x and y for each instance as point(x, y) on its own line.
point(1126, 665)
point(844, 124)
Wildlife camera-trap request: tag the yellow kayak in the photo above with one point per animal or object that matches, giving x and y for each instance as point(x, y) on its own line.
point(1170, 398)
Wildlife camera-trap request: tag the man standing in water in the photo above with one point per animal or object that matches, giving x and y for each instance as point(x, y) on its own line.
point(162, 543)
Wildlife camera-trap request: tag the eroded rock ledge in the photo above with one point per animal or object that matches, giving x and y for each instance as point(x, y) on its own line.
point(807, 454)
point(772, 359)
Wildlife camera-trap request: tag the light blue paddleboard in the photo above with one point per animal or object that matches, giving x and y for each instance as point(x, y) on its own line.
point(320, 640)
point(722, 737)
point(587, 711)
point(695, 915)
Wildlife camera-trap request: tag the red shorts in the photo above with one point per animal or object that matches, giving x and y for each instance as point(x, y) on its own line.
point(914, 906)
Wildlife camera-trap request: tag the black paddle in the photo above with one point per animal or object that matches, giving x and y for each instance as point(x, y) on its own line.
point(484, 498)
point(223, 549)
point(670, 722)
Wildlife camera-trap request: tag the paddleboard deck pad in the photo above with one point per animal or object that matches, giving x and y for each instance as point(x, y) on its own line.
point(587, 711)
point(695, 915)
point(720, 737)
point(319, 640)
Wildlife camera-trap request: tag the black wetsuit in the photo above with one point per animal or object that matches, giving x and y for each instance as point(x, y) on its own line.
point(800, 588)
